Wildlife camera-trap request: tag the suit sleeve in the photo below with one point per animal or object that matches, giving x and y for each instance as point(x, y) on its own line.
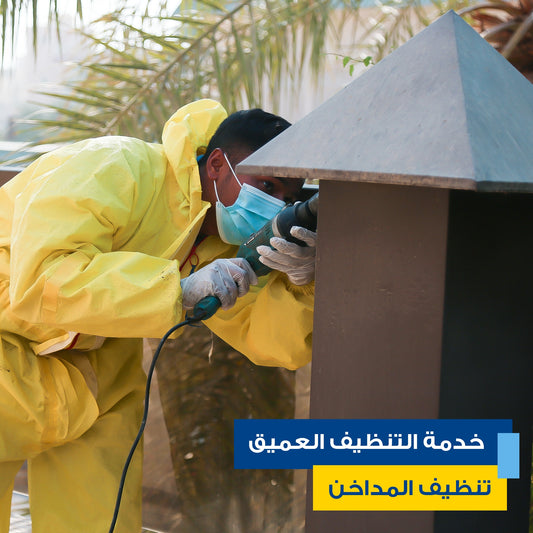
point(272, 325)
point(70, 266)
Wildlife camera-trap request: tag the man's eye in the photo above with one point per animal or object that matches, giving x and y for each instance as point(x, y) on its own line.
point(268, 187)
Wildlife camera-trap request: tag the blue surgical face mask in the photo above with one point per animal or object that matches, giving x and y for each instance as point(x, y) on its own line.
point(250, 212)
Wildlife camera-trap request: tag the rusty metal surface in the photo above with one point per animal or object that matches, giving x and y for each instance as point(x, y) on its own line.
point(443, 110)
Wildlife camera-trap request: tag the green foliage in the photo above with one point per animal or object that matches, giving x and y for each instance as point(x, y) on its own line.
point(350, 62)
point(142, 68)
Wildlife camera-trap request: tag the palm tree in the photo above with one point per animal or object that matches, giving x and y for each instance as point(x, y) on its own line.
point(245, 54)
point(142, 68)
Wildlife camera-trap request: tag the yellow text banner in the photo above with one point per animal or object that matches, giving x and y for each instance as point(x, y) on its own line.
point(408, 488)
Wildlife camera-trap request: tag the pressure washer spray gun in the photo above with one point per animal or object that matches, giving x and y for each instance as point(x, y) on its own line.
point(299, 214)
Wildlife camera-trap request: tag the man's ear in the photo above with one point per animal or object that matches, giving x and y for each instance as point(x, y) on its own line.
point(215, 164)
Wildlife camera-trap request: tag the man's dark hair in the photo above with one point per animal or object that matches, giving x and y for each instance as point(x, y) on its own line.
point(249, 129)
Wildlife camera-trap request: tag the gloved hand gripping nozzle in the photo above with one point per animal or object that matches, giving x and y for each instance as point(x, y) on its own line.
point(302, 214)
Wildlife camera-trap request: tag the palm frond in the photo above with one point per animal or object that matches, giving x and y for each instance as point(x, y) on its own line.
point(237, 53)
point(245, 54)
point(11, 13)
point(508, 26)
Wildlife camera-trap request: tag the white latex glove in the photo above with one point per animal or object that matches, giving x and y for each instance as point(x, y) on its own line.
point(298, 262)
point(227, 279)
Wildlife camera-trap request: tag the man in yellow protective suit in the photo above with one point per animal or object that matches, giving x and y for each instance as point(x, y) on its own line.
point(109, 240)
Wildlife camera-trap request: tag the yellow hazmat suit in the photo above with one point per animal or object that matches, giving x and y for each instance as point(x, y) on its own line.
point(93, 237)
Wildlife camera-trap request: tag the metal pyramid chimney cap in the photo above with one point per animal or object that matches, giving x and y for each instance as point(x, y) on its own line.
point(443, 110)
